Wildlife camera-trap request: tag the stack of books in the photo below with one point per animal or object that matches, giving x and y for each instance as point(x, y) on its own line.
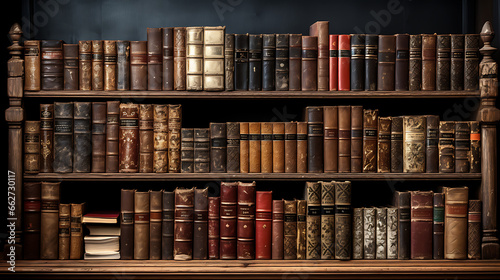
point(104, 240)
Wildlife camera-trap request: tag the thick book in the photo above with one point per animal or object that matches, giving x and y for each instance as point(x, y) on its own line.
point(446, 146)
point(213, 227)
point(402, 62)
point(110, 59)
point(414, 128)
point(155, 224)
point(356, 138)
point(357, 62)
point(141, 225)
point(415, 63)
point(443, 62)
point(455, 222)
point(129, 138)
point(200, 231)
point(52, 69)
point(160, 133)
point(85, 65)
point(201, 150)
point(457, 62)
point(146, 138)
point(331, 138)
point(70, 75)
point(320, 30)
point(138, 65)
point(386, 62)
point(334, 62)
point(187, 150)
point(218, 147)
point(397, 145)
point(183, 224)
point(295, 60)
point(278, 147)
point(438, 227)
point(475, 147)
point(179, 58)
point(268, 61)
point(228, 220)
point(245, 244)
point(112, 135)
point(302, 147)
point(392, 233)
point(174, 137)
point(327, 220)
point(431, 144)
point(98, 137)
point(254, 147)
point(194, 58)
point(421, 225)
point(64, 230)
point(46, 137)
point(233, 147)
point(32, 65)
point(31, 220)
point(313, 246)
point(344, 157)
point(314, 118)
point(344, 72)
point(384, 145)
point(229, 62)
point(474, 230)
point(402, 202)
point(462, 147)
point(154, 36)
point(49, 219)
point(428, 61)
point(244, 148)
point(370, 129)
point(343, 221)
point(63, 137)
point(369, 226)
point(282, 59)
point(371, 61)
point(122, 65)
point(167, 226)
point(301, 229)
point(309, 78)
point(32, 147)
point(290, 230)
point(290, 147)
point(471, 62)
point(381, 233)
point(167, 34)
point(241, 70)
point(127, 224)
point(263, 224)
point(97, 65)
point(357, 234)
point(83, 138)
point(76, 230)
point(255, 62)
point(213, 62)
point(278, 220)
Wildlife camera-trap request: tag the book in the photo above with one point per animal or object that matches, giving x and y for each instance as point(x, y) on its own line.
point(397, 145)
point(32, 65)
point(187, 150)
point(370, 131)
point(309, 78)
point(194, 58)
point(446, 146)
point(127, 224)
point(85, 65)
point(290, 230)
point(278, 220)
point(97, 65)
point(421, 225)
point(122, 65)
point(371, 61)
point(98, 137)
point(344, 72)
point(174, 137)
point(179, 58)
point(32, 147)
point(301, 229)
point(474, 230)
point(233, 147)
point(431, 144)
point(110, 59)
point(83, 138)
point(63, 137)
point(268, 61)
point(331, 138)
point(245, 244)
point(327, 220)
point(290, 147)
point(129, 138)
point(64, 231)
point(402, 62)
point(471, 62)
point(278, 147)
point(200, 232)
point(138, 65)
point(462, 147)
point(160, 132)
point(229, 61)
point(76, 241)
point(386, 62)
point(102, 247)
point(475, 147)
point(357, 62)
point(295, 61)
point(443, 62)
point(146, 138)
point(314, 118)
point(102, 256)
point(155, 225)
point(384, 145)
point(381, 233)
point(201, 150)
point(141, 225)
point(49, 219)
point(356, 138)
point(228, 220)
point(414, 130)
point(402, 201)
point(112, 132)
point(213, 62)
point(343, 221)
point(46, 137)
point(344, 157)
point(213, 227)
point(457, 62)
point(183, 224)
point(438, 227)
point(218, 148)
point(392, 233)
point(167, 35)
point(51, 65)
point(428, 61)
point(70, 71)
point(263, 224)
point(255, 62)
point(302, 147)
point(313, 246)
point(415, 63)
point(320, 30)
point(31, 219)
point(103, 217)
point(282, 58)
point(241, 55)
point(455, 222)
point(244, 148)
point(357, 234)
point(334, 62)
point(167, 226)
point(369, 226)
point(154, 36)
point(254, 147)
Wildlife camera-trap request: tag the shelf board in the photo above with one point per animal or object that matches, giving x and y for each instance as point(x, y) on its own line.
point(248, 176)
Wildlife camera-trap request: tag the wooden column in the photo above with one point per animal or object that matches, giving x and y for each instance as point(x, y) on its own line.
point(489, 115)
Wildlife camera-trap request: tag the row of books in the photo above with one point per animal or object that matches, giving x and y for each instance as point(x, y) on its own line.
point(205, 58)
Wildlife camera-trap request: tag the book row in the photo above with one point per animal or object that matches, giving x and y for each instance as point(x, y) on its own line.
point(205, 58)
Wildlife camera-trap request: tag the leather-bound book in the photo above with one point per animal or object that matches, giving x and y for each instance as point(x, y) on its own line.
point(344, 62)
point(167, 34)
point(218, 148)
point(414, 130)
point(122, 65)
point(371, 61)
point(471, 62)
point(46, 137)
point(85, 65)
point(290, 230)
point(381, 233)
point(392, 233)
point(187, 150)
point(52, 65)
point(415, 72)
point(282, 65)
point(295, 53)
point(254, 147)
point(428, 61)
point(213, 227)
point(268, 61)
point(370, 128)
point(343, 221)
point(141, 225)
point(263, 224)
point(233, 147)
point(228, 220)
point(327, 220)
point(421, 225)
point(229, 61)
point(290, 147)
point(146, 138)
point(402, 62)
point(160, 133)
point(255, 62)
point(64, 231)
point(32, 65)
point(357, 61)
point(49, 219)
point(334, 62)
point(154, 58)
point(244, 148)
point(83, 138)
point(32, 147)
point(431, 144)
point(344, 158)
point(127, 224)
point(213, 68)
point(63, 137)
point(278, 147)
point(331, 138)
point(455, 223)
point(462, 147)
point(356, 139)
point(386, 62)
point(278, 220)
point(98, 137)
point(438, 227)
point(76, 243)
point(245, 245)
point(31, 220)
point(167, 226)
point(179, 58)
point(129, 138)
point(402, 202)
point(201, 150)
point(241, 45)
point(314, 118)
point(155, 217)
point(384, 145)
point(200, 232)
point(369, 226)
point(97, 65)
point(446, 146)
point(357, 234)
point(301, 229)
point(70, 74)
point(443, 62)
point(320, 30)
point(110, 58)
point(313, 246)
point(194, 58)
point(301, 147)
point(457, 62)
point(474, 230)
point(183, 224)
point(138, 65)
point(112, 132)
point(309, 77)
point(397, 145)
point(475, 147)
point(174, 137)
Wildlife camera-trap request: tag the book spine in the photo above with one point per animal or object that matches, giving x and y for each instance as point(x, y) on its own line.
point(138, 65)
point(386, 62)
point(146, 138)
point(32, 65)
point(369, 245)
point(97, 65)
point(446, 146)
point(443, 62)
point(474, 230)
point(344, 62)
point(229, 61)
point(282, 65)
point(356, 138)
point(201, 150)
point(183, 224)
point(233, 147)
point(414, 128)
point(421, 225)
point(129, 138)
point(268, 61)
point(213, 68)
point(320, 29)
point(241, 71)
point(431, 143)
point(428, 61)
point(245, 246)
point(141, 225)
point(471, 62)
point(179, 58)
point(392, 233)
point(228, 220)
point(70, 66)
point(98, 137)
point(331, 138)
point(85, 65)
point(167, 34)
point(83, 138)
point(160, 133)
point(174, 137)
point(278, 147)
point(384, 145)
point(415, 74)
point(64, 231)
point(438, 227)
point(218, 148)
point(263, 225)
point(244, 148)
point(457, 62)
point(76, 245)
point(290, 147)
point(345, 159)
point(112, 136)
point(127, 224)
point(315, 139)
point(254, 147)
point(357, 234)
point(110, 60)
point(290, 230)
point(455, 223)
point(213, 227)
point(122, 65)
point(475, 147)
point(187, 150)
point(266, 142)
point(63, 137)
point(327, 220)
point(200, 234)
point(402, 62)
point(32, 147)
point(155, 216)
point(301, 229)
point(155, 66)
point(334, 62)
point(309, 77)
point(167, 227)
point(31, 221)
point(255, 62)
point(397, 145)
point(52, 65)
point(295, 53)
point(302, 147)
point(343, 219)
point(402, 200)
point(357, 62)
point(371, 61)
point(313, 192)
point(194, 58)
point(381, 233)
point(49, 221)
point(462, 147)
point(278, 220)
point(370, 128)
point(46, 137)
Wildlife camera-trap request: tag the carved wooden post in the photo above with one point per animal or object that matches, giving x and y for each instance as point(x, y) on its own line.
point(489, 115)
point(14, 115)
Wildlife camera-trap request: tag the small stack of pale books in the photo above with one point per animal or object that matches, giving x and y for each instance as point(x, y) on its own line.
point(103, 242)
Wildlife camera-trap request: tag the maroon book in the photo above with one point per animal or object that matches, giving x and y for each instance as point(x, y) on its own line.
point(213, 227)
point(228, 200)
point(245, 247)
point(278, 215)
point(421, 224)
point(263, 224)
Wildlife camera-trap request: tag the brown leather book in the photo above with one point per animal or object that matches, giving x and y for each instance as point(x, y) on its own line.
point(331, 138)
point(443, 62)
point(49, 221)
point(266, 143)
point(471, 62)
point(320, 30)
point(32, 147)
point(213, 58)
point(201, 150)
point(76, 251)
point(70, 66)
point(200, 234)
point(141, 225)
point(138, 65)
point(213, 227)
point(397, 145)
point(183, 224)
point(228, 220)
point(160, 130)
point(290, 147)
point(112, 133)
point(179, 58)
point(474, 230)
point(155, 218)
point(301, 229)
point(455, 223)
point(402, 61)
point(278, 147)
point(122, 65)
point(462, 147)
point(343, 218)
point(414, 128)
point(457, 62)
point(327, 220)
point(129, 138)
point(98, 137)
point(301, 147)
point(314, 118)
point(154, 58)
point(63, 137)
point(356, 133)
point(167, 34)
point(438, 227)
point(218, 148)
point(386, 62)
point(290, 230)
point(194, 58)
point(82, 137)
point(31, 220)
point(384, 145)
point(475, 147)
point(245, 245)
point(345, 140)
point(428, 61)
point(187, 150)
point(52, 65)
point(229, 61)
point(415, 62)
point(146, 138)
point(309, 77)
point(32, 65)
point(295, 60)
point(431, 144)
point(313, 246)
point(110, 59)
point(97, 65)
point(421, 225)
point(233, 147)
point(46, 137)
point(254, 147)
point(244, 147)
point(127, 224)
point(370, 127)
point(85, 65)
point(278, 219)
point(446, 146)
point(174, 137)
point(64, 231)
point(167, 226)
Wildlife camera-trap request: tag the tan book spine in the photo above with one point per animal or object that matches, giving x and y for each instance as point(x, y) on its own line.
point(85, 65)
point(146, 136)
point(344, 152)
point(194, 58)
point(97, 65)
point(141, 226)
point(278, 147)
point(174, 138)
point(244, 148)
point(254, 154)
point(266, 142)
point(180, 58)
point(384, 145)
point(160, 128)
point(110, 65)
point(301, 229)
point(455, 223)
point(291, 147)
point(331, 138)
point(49, 221)
point(64, 231)
point(213, 60)
point(301, 147)
point(414, 130)
point(76, 251)
point(32, 147)
point(32, 65)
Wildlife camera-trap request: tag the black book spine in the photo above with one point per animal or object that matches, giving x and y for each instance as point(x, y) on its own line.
point(218, 148)
point(201, 150)
point(357, 61)
point(82, 137)
point(187, 150)
point(122, 65)
point(371, 61)
point(282, 63)
point(167, 228)
point(241, 62)
point(268, 61)
point(63, 137)
point(255, 62)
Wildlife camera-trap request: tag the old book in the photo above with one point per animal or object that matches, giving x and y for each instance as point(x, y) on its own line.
point(320, 30)
point(32, 147)
point(475, 147)
point(229, 61)
point(415, 74)
point(278, 220)
point(52, 65)
point(241, 55)
point(141, 225)
point(122, 65)
point(129, 138)
point(371, 61)
point(200, 231)
point(255, 62)
point(334, 62)
point(344, 156)
point(64, 231)
point(183, 224)
point(278, 147)
point(327, 220)
point(160, 132)
point(302, 147)
point(471, 62)
point(357, 61)
point(155, 66)
point(146, 138)
point(290, 147)
point(331, 138)
point(414, 128)
point(301, 229)
point(127, 224)
point(201, 150)
point(431, 144)
point(76, 243)
point(194, 58)
point(295, 53)
point(397, 145)
point(268, 61)
point(49, 219)
point(70, 75)
point(356, 138)
point(421, 225)
point(357, 234)
point(438, 227)
point(31, 220)
point(112, 132)
point(63, 137)
point(314, 118)
point(462, 147)
point(174, 137)
point(97, 65)
point(263, 224)
point(187, 150)
point(313, 246)
point(228, 220)
point(457, 62)
point(309, 78)
point(179, 58)
point(344, 62)
point(138, 65)
point(402, 62)
point(369, 226)
point(428, 61)
point(213, 52)
point(282, 65)
point(343, 221)
point(254, 147)
point(474, 230)
point(213, 227)
point(381, 233)
point(370, 128)
point(83, 138)
point(244, 148)
point(386, 62)
point(384, 145)
point(218, 148)
point(155, 218)
point(98, 137)
point(32, 65)
point(402, 202)
point(85, 65)
point(392, 233)
point(245, 244)
point(446, 146)
point(443, 62)
point(46, 137)
point(266, 144)
point(110, 58)
point(290, 230)
point(167, 34)
point(455, 222)
point(167, 226)
point(233, 147)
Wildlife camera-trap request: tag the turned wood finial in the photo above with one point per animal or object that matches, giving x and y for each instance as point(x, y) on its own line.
point(15, 34)
point(487, 35)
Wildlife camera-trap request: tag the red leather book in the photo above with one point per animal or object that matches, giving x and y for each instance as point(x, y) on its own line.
point(228, 214)
point(344, 62)
point(278, 218)
point(334, 61)
point(263, 223)
point(246, 221)
point(421, 224)
point(213, 227)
